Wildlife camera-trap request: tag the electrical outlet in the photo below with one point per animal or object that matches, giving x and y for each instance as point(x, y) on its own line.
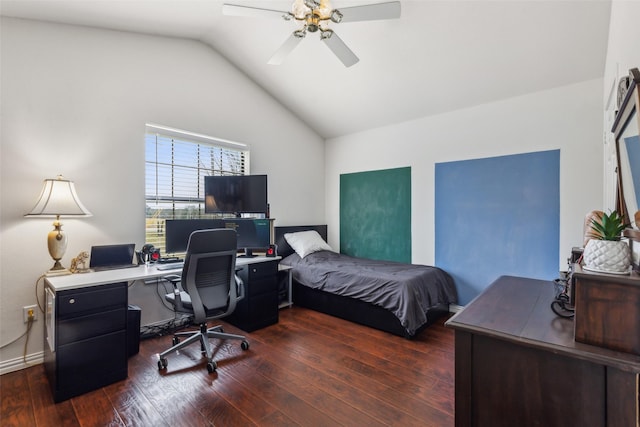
point(29, 311)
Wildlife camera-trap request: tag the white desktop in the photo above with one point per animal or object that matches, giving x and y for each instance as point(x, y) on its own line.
point(142, 272)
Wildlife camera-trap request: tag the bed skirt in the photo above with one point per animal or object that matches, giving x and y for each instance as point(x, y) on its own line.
point(358, 311)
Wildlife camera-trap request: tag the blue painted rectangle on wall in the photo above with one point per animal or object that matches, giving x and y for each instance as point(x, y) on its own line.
point(497, 216)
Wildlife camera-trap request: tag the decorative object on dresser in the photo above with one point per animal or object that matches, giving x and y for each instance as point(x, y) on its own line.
point(623, 87)
point(58, 198)
point(634, 245)
point(587, 229)
point(79, 263)
point(605, 252)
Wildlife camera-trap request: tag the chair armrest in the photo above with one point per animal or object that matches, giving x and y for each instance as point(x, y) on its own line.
point(239, 288)
point(175, 279)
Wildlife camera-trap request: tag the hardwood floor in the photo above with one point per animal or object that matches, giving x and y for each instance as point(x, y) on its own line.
point(308, 370)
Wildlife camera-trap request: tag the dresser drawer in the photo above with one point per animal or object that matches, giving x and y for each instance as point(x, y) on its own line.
point(96, 298)
point(262, 269)
point(92, 363)
point(93, 325)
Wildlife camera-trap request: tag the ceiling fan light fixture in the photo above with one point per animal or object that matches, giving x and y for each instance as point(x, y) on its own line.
point(336, 16)
point(312, 11)
point(299, 9)
point(326, 34)
point(312, 4)
point(324, 9)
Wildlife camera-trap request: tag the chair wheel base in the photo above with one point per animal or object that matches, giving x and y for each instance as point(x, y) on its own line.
point(162, 363)
point(212, 366)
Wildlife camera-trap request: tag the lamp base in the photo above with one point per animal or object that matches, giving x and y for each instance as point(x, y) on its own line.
point(57, 272)
point(57, 244)
point(57, 265)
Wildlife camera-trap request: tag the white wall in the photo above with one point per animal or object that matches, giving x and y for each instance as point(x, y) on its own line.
point(568, 118)
point(75, 102)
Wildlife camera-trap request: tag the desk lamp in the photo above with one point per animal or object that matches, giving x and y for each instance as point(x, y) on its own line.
point(58, 198)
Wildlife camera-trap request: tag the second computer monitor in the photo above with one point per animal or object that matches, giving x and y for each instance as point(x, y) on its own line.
point(253, 234)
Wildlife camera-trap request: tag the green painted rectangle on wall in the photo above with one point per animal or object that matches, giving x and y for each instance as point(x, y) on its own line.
point(375, 214)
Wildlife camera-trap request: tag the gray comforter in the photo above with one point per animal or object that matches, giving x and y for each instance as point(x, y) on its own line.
point(407, 290)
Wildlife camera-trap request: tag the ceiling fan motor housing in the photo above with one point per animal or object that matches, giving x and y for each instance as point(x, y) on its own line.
point(313, 22)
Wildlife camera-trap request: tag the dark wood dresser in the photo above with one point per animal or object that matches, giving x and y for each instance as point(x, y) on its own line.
point(517, 364)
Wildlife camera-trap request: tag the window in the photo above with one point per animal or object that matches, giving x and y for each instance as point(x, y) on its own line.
point(176, 163)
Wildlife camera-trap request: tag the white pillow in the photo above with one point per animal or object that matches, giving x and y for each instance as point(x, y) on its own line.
point(306, 242)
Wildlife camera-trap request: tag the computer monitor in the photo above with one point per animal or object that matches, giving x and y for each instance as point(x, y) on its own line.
point(235, 194)
point(177, 232)
point(253, 233)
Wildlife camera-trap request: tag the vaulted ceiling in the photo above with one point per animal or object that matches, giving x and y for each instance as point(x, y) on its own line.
point(439, 56)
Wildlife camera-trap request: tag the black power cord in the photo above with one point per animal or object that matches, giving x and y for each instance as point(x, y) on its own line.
point(561, 305)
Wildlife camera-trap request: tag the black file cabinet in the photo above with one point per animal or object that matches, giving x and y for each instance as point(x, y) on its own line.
point(259, 307)
point(85, 338)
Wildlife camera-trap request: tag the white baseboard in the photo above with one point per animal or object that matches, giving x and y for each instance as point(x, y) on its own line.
point(454, 308)
point(19, 363)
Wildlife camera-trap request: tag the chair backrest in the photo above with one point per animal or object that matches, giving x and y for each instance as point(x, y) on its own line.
point(208, 275)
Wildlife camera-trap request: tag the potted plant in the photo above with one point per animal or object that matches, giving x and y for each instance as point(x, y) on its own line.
point(604, 252)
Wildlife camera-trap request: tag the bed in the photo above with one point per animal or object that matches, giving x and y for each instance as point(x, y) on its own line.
point(402, 299)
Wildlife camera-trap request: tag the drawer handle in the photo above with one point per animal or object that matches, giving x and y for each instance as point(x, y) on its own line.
point(72, 301)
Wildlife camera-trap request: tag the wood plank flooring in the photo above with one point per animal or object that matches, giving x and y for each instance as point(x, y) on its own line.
point(310, 369)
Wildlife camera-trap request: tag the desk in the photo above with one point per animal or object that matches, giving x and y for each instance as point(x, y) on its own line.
point(517, 364)
point(83, 280)
point(86, 320)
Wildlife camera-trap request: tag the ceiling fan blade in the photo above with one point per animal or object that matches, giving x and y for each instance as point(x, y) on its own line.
point(285, 49)
point(371, 12)
point(339, 48)
point(236, 10)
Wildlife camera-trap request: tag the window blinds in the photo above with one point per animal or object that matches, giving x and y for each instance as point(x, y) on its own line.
point(174, 177)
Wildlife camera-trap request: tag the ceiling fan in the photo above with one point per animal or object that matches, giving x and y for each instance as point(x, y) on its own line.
point(314, 16)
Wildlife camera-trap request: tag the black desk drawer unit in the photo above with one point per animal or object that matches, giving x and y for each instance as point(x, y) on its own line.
point(88, 349)
point(259, 308)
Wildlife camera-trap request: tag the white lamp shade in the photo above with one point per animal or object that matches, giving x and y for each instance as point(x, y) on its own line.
point(58, 198)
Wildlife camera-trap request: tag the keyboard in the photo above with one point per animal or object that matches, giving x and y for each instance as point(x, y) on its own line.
point(113, 267)
point(170, 266)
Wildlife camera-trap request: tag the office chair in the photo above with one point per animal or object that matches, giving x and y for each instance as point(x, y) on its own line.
point(209, 289)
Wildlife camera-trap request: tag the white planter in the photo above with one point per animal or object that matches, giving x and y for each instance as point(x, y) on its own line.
point(607, 256)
